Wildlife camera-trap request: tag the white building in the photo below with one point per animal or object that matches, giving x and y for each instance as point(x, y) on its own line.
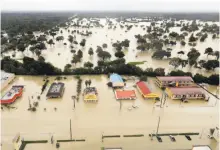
point(6, 78)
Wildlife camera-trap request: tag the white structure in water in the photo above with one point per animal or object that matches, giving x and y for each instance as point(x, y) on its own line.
point(6, 78)
point(17, 142)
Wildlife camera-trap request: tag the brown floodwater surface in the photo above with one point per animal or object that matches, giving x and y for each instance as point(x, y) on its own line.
point(90, 121)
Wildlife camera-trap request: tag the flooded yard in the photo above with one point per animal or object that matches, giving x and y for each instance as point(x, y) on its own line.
point(92, 120)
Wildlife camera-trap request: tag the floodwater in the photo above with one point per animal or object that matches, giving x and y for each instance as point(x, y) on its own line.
point(108, 36)
point(92, 120)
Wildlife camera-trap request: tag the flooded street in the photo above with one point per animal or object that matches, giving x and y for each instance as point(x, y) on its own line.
point(92, 120)
point(104, 35)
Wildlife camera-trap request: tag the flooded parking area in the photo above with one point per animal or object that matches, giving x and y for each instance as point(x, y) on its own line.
point(108, 116)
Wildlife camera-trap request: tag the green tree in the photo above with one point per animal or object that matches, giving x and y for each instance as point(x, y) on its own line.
point(193, 55)
point(50, 42)
point(176, 62)
point(104, 45)
point(90, 52)
point(211, 64)
point(75, 59)
point(119, 54)
point(83, 42)
point(37, 52)
point(88, 64)
point(192, 38)
point(42, 38)
point(4, 40)
point(21, 47)
point(104, 55)
point(41, 59)
point(53, 34)
point(183, 43)
point(216, 54)
point(80, 54)
point(208, 51)
point(70, 39)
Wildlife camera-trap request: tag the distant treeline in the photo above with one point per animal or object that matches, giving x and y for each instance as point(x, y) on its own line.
point(15, 23)
point(33, 67)
point(177, 16)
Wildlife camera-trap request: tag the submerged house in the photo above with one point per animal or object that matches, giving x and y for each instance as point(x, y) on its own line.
point(185, 92)
point(174, 81)
point(90, 94)
point(116, 80)
point(145, 91)
point(56, 90)
point(14, 93)
point(6, 78)
point(125, 94)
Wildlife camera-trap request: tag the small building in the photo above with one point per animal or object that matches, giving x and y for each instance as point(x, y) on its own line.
point(113, 148)
point(14, 93)
point(90, 94)
point(125, 94)
point(174, 81)
point(56, 90)
point(6, 78)
point(185, 92)
point(216, 134)
point(145, 91)
point(17, 142)
point(201, 147)
point(116, 80)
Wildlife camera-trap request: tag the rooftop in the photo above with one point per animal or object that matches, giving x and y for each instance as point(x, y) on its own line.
point(125, 94)
point(9, 96)
point(143, 87)
point(5, 76)
point(90, 90)
point(186, 90)
point(55, 89)
point(201, 147)
point(115, 78)
point(174, 78)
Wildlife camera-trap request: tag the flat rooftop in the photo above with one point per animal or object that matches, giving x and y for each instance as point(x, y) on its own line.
point(187, 90)
point(11, 93)
point(55, 89)
point(5, 76)
point(174, 78)
point(125, 94)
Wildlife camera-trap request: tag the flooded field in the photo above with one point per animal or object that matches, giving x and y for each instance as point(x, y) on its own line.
point(104, 35)
point(92, 120)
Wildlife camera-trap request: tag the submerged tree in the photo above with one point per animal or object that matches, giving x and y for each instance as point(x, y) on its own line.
point(90, 52)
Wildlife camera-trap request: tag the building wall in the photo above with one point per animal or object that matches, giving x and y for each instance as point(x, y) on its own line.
point(180, 83)
point(5, 84)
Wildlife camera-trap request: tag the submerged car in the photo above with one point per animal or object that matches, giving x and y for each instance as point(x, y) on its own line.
point(159, 139)
point(172, 138)
point(188, 137)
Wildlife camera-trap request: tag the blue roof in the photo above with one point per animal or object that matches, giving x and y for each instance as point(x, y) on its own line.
point(115, 78)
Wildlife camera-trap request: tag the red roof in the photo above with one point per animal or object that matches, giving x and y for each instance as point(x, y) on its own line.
point(143, 87)
point(174, 78)
point(126, 94)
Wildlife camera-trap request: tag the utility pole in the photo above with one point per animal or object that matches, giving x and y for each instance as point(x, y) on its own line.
point(158, 125)
point(120, 104)
point(70, 130)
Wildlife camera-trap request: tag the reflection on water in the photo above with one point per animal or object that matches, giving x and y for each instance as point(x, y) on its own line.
point(90, 121)
point(108, 36)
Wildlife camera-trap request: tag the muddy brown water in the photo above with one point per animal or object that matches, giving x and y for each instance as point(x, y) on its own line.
point(91, 121)
point(108, 36)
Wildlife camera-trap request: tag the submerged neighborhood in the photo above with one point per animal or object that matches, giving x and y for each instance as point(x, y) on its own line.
point(109, 81)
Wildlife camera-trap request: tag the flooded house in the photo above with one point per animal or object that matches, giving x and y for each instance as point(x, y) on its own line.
point(90, 94)
point(174, 81)
point(6, 78)
point(185, 92)
point(116, 80)
point(125, 94)
point(14, 93)
point(145, 90)
point(56, 90)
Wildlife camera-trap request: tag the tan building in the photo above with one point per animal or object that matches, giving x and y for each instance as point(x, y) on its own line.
point(174, 81)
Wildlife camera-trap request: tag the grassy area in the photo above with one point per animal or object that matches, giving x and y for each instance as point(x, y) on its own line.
point(137, 62)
